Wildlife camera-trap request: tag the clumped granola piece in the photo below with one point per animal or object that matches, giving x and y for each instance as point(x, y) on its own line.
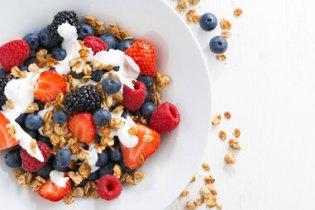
point(190, 205)
point(30, 109)
point(206, 166)
point(230, 158)
point(216, 119)
point(23, 178)
point(16, 72)
point(199, 201)
point(209, 179)
point(37, 183)
point(211, 201)
point(9, 104)
point(161, 81)
point(238, 12)
point(225, 24)
point(184, 193)
point(226, 33)
point(117, 171)
point(11, 129)
point(234, 144)
point(181, 5)
point(194, 2)
point(222, 135)
point(227, 115)
point(237, 132)
point(113, 30)
point(205, 192)
point(97, 25)
point(221, 57)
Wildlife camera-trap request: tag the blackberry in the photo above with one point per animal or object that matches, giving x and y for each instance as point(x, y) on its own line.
point(61, 17)
point(3, 82)
point(83, 99)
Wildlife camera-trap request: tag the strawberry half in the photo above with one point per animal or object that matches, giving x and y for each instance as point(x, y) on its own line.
point(142, 52)
point(52, 192)
point(6, 139)
point(149, 141)
point(82, 127)
point(49, 85)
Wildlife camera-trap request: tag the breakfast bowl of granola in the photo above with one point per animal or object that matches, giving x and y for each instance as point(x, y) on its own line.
point(104, 104)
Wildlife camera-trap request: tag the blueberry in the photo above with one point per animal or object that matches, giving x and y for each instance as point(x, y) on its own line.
point(123, 166)
point(93, 176)
point(21, 118)
point(33, 133)
point(59, 54)
point(218, 45)
point(83, 183)
point(124, 115)
point(111, 85)
point(45, 171)
point(97, 75)
point(45, 139)
point(147, 96)
point(13, 158)
point(110, 40)
point(63, 158)
point(3, 72)
point(147, 109)
point(32, 40)
point(85, 30)
point(33, 121)
point(60, 117)
point(125, 44)
point(107, 169)
point(102, 117)
point(102, 158)
point(208, 22)
point(23, 68)
point(29, 61)
point(116, 68)
point(59, 168)
point(41, 105)
point(115, 154)
point(45, 40)
point(75, 75)
point(145, 80)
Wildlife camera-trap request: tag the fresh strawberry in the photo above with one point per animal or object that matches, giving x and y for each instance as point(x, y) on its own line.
point(165, 118)
point(109, 187)
point(13, 53)
point(6, 139)
point(30, 163)
point(52, 192)
point(82, 127)
point(49, 85)
point(95, 43)
point(133, 99)
point(149, 141)
point(142, 52)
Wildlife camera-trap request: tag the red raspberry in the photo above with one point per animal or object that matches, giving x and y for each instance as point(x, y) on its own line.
point(133, 99)
point(95, 43)
point(165, 118)
point(109, 187)
point(30, 163)
point(13, 53)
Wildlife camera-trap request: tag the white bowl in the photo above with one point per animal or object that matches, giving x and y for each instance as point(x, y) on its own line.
point(178, 55)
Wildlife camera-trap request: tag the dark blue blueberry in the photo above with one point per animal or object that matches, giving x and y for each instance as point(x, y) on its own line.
point(59, 168)
point(20, 119)
point(3, 72)
point(23, 68)
point(75, 75)
point(124, 115)
point(115, 154)
point(83, 183)
point(208, 22)
point(33, 121)
point(147, 109)
point(45, 171)
point(45, 139)
point(63, 158)
point(60, 117)
point(145, 80)
point(147, 96)
point(218, 45)
point(110, 40)
point(97, 75)
point(123, 166)
point(13, 158)
point(59, 54)
point(85, 30)
point(125, 44)
point(116, 68)
point(32, 40)
point(102, 117)
point(111, 85)
point(93, 176)
point(41, 105)
point(45, 40)
point(33, 133)
point(29, 61)
point(102, 158)
point(107, 169)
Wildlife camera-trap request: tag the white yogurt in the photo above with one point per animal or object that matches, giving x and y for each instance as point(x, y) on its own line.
point(92, 159)
point(58, 178)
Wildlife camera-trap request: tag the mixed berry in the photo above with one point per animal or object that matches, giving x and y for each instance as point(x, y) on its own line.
point(81, 108)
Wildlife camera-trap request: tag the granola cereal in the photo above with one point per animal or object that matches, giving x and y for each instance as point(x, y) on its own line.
point(222, 135)
point(211, 202)
point(227, 115)
point(216, 119)
point(190, 205)
point(206, 166)
point(230, 158)
point(234, 144)
point(237, 132)
point(225, 24)
point(199, 201)
point(238, 12)
point(184, 193)
point(221, 57)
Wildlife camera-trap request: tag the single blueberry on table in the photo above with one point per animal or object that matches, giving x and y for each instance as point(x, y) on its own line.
point(13, 158)
point(59, 54)
point(60, 117)
point(102, 117)
point(85, 30)
point(218, 44)
point(102, 158)
point(125, 44)
point(110, 40)
point(208, 22)
point(111, 85)
point(32, 40)
point(147, 80)
point(115, 153)
point(107, 169)
point(97, 75)
point(33, 121)
point(147, 109)
point(45, 40)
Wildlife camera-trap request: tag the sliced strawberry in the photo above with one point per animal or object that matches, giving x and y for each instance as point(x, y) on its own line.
point(6, 139)
point(82, 127)
point(149, 141)
point(52, 192)
point(49, 85)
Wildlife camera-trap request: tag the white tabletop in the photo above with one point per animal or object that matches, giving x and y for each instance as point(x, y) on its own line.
point(268, 85)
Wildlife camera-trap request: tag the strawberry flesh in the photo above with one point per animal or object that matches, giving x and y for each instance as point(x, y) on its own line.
point(6, 139)
point(54, 193)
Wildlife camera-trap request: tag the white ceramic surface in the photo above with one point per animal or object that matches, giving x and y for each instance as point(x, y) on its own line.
point(178, 55)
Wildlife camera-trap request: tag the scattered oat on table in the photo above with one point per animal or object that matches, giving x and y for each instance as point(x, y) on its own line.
point(221, 57)
point(238, 12)
point(234, 144)
point(184, 193)
point(225, 24)
point(190, 205)
point(230, 158)
point(237, 132)
point(206, 166)
point(222, 135)
point(227, 115)
point(216, 119)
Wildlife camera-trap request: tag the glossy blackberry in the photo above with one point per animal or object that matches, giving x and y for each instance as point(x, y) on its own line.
point(3, 82)
point(83, 99)
point(61, 17)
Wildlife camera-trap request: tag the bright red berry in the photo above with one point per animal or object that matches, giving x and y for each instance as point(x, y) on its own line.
point(82, 127)
point(165, 118)
point(109, 187)
point(49, 85)
point(95, 43)
point(52, 192)
point(30, 163)
point(13, 53)
point(6, 139)
point(133, 99)
point(142, 52)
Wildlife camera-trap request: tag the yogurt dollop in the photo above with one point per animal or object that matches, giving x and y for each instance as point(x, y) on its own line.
point(58, 178)
point(92, 159)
